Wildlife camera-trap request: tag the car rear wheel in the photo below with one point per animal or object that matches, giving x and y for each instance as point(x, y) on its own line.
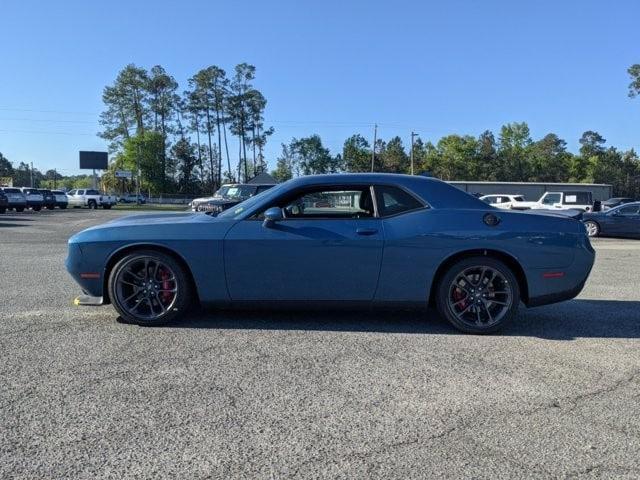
point(478, 295)
point(36, 209)
point(593, 229)
point(92, 204)
point(106, 206)
point(149, 288)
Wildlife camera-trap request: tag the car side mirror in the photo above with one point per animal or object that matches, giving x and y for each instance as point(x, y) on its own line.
point(271, 216)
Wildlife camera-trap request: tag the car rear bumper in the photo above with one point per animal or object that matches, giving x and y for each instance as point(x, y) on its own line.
point(548, 286)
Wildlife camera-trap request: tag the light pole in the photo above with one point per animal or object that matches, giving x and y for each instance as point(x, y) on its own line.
point(413, 135)
point(373, 150)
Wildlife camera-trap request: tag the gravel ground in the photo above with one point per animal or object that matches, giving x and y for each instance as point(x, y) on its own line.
point(292, 395)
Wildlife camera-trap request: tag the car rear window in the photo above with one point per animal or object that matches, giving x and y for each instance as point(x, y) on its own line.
point(12, 190)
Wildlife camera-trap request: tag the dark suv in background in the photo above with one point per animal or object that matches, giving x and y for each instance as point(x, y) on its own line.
point(61, 199)
point(229, 196)
point(34, 198)
point(17, 200)
point(48, 198)
point(4, 202)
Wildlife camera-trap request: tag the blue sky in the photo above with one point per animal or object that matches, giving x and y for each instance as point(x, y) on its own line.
point(330, 67)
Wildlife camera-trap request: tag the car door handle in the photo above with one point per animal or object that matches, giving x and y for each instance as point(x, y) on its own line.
point(367, 231)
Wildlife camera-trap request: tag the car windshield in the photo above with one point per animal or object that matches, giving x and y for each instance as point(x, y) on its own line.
point(519, 198)
point(222, 191)
point(239, 192)
point(249, 203)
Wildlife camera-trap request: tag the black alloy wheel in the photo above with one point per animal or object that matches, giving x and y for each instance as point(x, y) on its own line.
point(149, 288)
point(478, 295)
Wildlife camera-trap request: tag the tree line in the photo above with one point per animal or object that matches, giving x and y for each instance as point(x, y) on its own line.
point(182, 141)
point(512, 156)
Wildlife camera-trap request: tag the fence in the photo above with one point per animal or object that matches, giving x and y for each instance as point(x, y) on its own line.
point(170, 199)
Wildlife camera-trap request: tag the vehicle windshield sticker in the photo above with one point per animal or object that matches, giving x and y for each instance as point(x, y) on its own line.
point(571, 199)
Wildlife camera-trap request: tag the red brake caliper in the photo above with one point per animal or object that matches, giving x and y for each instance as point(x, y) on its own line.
point(165, 295)
point(460, 298)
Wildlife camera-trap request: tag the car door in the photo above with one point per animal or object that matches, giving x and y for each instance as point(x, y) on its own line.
point(327, 247)
point(624, 221)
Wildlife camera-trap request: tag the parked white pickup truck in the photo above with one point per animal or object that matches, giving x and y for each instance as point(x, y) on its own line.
point(84, 198)
point(109, 201)
point(559, 200)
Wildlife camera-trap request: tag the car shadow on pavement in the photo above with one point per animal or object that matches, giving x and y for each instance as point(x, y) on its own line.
point(7, 218)
point(9, 225)
point(563, 321)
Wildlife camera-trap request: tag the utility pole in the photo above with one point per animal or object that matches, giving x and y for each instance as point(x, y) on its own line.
point(55, 176)
point(413, 135)
point(373, 149)
point(31, 175)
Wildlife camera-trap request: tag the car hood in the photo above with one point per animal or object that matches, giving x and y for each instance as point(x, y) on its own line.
point(154, 219)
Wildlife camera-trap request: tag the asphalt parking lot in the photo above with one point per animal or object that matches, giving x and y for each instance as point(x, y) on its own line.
point(291, 395)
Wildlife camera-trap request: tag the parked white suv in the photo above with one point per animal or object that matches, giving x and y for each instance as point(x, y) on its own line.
point(505, 201)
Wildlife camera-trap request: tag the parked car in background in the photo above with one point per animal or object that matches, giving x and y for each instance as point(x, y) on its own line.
point(579, 200)
point(232, 196)
point(61, 199)
point(109, 201)
point(48, 198)
point(4, 202)
point(616, 201)
point(35, 199)
point(383, 240)
point(84, 198)
point(17, 199)
point(133, 198)
point(505, 201)
point(620, 221)
point(193, 205)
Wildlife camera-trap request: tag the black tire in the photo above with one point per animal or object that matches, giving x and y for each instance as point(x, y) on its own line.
point(179, 304)
point(106, 206)
point(92, 204)
point(36, 209)
point(3, 210)
point(50, 207)
point(19, 209)
point(592, 227)
point(484, 296)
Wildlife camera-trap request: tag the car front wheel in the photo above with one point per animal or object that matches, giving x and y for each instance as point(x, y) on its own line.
point(593, 229)
point(149, 288)
point(478, 295)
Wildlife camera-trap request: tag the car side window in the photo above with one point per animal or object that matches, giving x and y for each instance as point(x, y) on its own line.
point(628, 211)
point(324, 203)
point(394, 200)
point(551, 198)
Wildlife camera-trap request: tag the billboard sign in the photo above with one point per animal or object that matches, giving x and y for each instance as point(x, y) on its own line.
point(123, 174)
point(94, 160)
point(6, 181)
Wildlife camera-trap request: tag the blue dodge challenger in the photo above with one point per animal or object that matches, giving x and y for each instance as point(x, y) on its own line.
point(375, 240)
